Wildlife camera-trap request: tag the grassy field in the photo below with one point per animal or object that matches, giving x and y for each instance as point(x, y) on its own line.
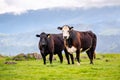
point(106, 67)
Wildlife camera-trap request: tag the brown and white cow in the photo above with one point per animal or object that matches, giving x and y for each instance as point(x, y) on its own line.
point(76, 41)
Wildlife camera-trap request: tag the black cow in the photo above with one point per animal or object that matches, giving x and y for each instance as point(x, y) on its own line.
point(51, 44)
point(76, 41)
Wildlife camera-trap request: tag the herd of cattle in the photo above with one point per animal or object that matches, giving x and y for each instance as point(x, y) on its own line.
point(70, 41)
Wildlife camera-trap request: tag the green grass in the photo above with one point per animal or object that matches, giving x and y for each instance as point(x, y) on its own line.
point(106, 67)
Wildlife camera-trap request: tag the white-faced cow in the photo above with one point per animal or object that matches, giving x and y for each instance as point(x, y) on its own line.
point(76, 41)
point(51, 44)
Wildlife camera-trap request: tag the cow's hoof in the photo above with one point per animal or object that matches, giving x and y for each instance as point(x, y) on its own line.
point(73, 63)
point(78, 63)
point(68, 63)
point(92, 63)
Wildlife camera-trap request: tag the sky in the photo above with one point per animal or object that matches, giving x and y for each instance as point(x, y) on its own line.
point(18, 7)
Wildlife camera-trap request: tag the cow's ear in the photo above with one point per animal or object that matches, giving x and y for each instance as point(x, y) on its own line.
point(48, 35)
point(71, 28)
point(37, 35)
point(60, 28)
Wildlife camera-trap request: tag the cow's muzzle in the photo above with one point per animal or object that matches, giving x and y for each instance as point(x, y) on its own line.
point(65, 37)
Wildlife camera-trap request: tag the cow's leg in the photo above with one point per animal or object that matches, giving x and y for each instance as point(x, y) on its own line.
point(60, 57)
point(78, 56)
point(67, 56)
point(50, 57)
point(90, 55)
point(44, 58)
point(72, 58)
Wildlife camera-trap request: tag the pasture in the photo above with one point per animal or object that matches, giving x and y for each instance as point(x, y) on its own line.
point(106, 67)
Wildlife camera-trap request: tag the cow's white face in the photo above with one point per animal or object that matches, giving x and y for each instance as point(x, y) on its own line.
point(65, 30)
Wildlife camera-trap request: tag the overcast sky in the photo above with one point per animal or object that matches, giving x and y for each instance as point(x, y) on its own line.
point(18, 7)
point(21, 6)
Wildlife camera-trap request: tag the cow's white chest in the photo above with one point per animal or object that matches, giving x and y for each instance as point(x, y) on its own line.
point(71, 50)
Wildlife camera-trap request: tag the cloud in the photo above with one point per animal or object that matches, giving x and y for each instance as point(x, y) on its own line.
point(112, 31)
point(21, 6)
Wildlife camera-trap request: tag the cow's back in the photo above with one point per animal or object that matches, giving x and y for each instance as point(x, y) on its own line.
point(94, 38)
point(86, 40)
point(58, 42)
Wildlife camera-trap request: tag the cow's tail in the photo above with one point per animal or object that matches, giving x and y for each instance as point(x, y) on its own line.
point(94, 45)
point(94, 55)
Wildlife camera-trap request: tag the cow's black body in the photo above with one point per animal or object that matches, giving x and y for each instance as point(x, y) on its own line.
point(51, 44)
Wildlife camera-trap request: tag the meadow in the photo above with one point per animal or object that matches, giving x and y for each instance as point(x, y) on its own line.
point(106, 67)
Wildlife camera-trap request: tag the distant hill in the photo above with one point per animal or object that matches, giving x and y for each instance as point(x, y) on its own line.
point(18, 43)
point(108, 44)
point(27, 42)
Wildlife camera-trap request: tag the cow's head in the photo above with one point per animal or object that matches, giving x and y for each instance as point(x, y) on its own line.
point(43, 40)
point(66, 31)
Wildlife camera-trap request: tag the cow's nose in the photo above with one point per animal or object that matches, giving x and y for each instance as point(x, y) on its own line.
point(43, 44)
point(65, 37)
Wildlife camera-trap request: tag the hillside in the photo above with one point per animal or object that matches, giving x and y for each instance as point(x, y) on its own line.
point(106, 67)
point(28, 42)
point(108, 44)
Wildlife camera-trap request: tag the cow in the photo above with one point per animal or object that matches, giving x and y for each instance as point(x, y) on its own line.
point(76, 41)
point(51, 44)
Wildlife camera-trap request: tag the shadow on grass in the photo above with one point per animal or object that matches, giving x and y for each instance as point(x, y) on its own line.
point(51, 65)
